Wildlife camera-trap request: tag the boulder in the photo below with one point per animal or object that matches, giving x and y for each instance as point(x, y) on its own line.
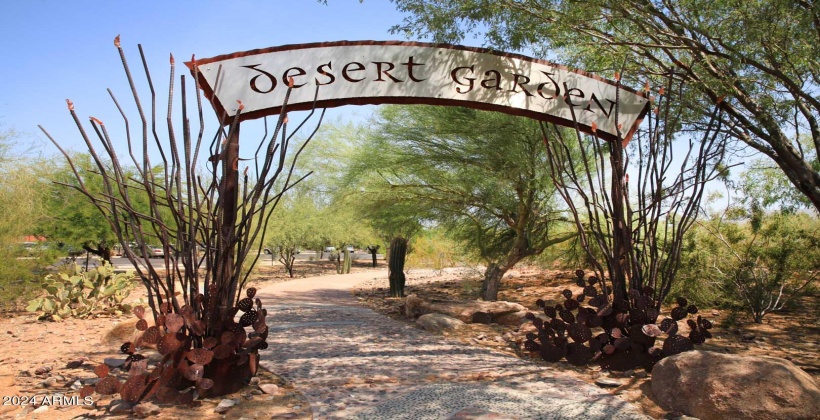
point(468, 312)
point(710, 385)
point(439, 323)
point(512, 319)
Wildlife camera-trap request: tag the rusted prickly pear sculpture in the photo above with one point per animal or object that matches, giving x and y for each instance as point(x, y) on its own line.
point(626, 329)
point(211, 362)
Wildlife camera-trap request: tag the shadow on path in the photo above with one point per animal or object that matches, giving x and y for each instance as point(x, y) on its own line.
point(351, 362)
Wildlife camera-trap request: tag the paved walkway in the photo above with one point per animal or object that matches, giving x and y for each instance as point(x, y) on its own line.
point(351, 362)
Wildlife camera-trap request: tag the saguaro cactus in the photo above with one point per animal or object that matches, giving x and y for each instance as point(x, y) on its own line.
point(398, 250)
point(344, 266)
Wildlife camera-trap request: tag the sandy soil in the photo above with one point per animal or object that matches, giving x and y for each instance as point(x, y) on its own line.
point(46, 359)
point(46, 362)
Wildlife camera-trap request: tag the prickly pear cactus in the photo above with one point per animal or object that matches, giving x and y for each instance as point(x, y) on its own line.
point(80, 294)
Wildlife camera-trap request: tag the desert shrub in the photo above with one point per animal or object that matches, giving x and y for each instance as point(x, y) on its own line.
point(83, 293)
point(434, 250)
point(18, 278)
point(695, 278)
point(760, 262)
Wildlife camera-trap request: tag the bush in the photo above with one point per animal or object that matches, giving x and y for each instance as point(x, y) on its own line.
point(80, 294)
point(759, 263)
point(433, 250)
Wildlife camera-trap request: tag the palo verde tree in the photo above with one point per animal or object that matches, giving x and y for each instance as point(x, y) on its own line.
point(481, 175)
point(296, 224)
point(68, 217)
point(20, 199)
point(758, 60)
point(209, 221)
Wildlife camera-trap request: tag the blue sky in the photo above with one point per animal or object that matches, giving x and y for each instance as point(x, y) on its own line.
point(53, 50)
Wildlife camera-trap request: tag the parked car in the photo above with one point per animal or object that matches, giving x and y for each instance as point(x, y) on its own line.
point(153, 251)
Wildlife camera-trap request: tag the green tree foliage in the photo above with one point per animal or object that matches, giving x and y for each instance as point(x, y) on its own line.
point(758, 262)
point(296, 224)
point(765, 186)
point(69, 218)
point(480, 175)
point(434, 249)
point(758, 59)
point(20, 198)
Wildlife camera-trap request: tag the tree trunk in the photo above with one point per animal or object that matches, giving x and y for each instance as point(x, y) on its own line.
point(103, 252)
point(287, 259)
point(492, 281)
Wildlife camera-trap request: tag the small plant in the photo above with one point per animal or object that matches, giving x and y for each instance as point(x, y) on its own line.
point(77, 293)
point(627, 328)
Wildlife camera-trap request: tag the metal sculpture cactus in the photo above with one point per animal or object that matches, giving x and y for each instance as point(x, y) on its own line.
point(373, 250)
point(192, 358)
point(627, 329)
point(632, 230)
point(209, 222)
point(398, 252)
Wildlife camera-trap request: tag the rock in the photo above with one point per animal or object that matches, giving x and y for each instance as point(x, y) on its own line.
point(40, 410)
point(74, 364)
point(224, 406)
point(624, 374)
point(42, 370)
point(269, 389)
point(146, 409)
point(512, 319)
point(468, 312)
point(119, 407)
point(126, 331)
point(413, 306)
point(254, 381)
point(113, 362)
point(50, 382)
point(711, 385)
point(89, 381)
point(285, 416)
point(608, 382)
point(439, 323)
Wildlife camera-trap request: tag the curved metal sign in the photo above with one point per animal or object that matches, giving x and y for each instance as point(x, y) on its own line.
point(379, 72)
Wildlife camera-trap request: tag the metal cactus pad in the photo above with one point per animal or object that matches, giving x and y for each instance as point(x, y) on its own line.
point(617, 334)
point(197, 360)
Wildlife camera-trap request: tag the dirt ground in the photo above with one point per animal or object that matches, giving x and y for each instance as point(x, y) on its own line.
point(47, 361)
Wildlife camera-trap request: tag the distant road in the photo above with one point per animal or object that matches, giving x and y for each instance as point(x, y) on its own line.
point(122, 263)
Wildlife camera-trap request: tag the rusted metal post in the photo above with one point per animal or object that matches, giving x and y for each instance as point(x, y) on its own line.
point(229, 188)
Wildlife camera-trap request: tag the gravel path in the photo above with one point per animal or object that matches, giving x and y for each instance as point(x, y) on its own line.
point(351, 362)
